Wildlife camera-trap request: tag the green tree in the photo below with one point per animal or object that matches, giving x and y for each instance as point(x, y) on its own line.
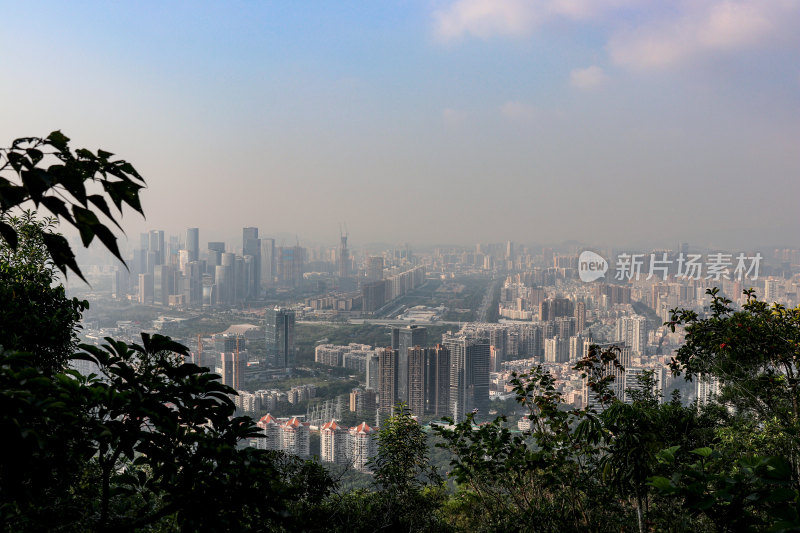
point(148, 441)
point(48, 173)
point(35, 314)
point(754, 353)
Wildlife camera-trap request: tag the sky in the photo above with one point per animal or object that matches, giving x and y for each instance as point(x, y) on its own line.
point(612, 122)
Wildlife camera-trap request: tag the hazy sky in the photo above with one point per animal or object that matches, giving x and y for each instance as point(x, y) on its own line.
point(607, 121)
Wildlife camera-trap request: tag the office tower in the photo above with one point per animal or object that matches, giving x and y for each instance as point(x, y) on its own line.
point(291, 265)
point(375, 268)
point(225, 279)
point(240, 279)
point(580, 317)
point(146, 289)
point(231, 366)
point(251, 245)
point(193, 243)
point(144, 241)
point(437, 380)
point(280, 337)
point(217, 246)
point(387, 380)
point(402, 340)
point(267, 275)
point(157, 245)
point(469, 375)
point(193, 286)
point(344, 258)
point(162, 285)
point(416, 380)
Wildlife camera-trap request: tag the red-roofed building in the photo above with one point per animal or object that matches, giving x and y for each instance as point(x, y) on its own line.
point(296, 437)
point(334, 443)
point(273, 433)
point(364, 445)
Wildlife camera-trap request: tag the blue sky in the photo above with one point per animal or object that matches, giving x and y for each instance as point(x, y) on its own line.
point(614, 122)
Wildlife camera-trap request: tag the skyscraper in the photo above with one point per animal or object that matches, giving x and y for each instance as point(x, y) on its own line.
point(157, 245)
point(251, 245)
point(375, 268)
point(267, 265)
point(402, 340)
point(193, 243)
point(280, 337)
point(437, 380)
point(469, 374)
point(344, 258)
point(416, 380)
point(387, 380)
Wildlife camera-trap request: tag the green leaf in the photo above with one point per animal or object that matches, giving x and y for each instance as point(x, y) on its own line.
point(702, 452)
point(9, 234)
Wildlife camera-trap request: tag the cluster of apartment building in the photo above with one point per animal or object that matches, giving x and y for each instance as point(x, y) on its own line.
point(269, 400)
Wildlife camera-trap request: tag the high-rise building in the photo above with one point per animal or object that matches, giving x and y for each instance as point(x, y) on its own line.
point(469, 374)
point(217, 246)
point(267, 275)
point(580, 317)
point(334, 443)
point(157, 246)
point(387, 380)
point(280, 337)
point(344, 258)
point(416, 380)
point(251, 245)
point(231, 366)
point(146, 288)
point(373, 371)
point(632, 330)
point(193, 243)
point(375, 268)
point(617, 386)
point(402, 340)
point(364, 446)
point(556, 350)
point(437, 380)
point(291, 265)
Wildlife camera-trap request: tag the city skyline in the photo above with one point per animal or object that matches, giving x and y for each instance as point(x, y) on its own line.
point(610, 122)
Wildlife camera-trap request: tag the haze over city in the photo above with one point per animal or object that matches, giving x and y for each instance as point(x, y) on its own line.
point(610, 122)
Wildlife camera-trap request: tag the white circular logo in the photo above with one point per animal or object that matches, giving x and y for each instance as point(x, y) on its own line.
point(591, 266)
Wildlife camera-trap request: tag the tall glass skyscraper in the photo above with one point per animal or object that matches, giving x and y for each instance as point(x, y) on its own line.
point(280, 337)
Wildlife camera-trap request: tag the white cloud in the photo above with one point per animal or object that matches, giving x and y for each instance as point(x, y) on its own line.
point(641, 35)
point(588, 78)
point(517, 111)
point(485, 18)
point(702, 28)
point(512, 18)
point(453, 117)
